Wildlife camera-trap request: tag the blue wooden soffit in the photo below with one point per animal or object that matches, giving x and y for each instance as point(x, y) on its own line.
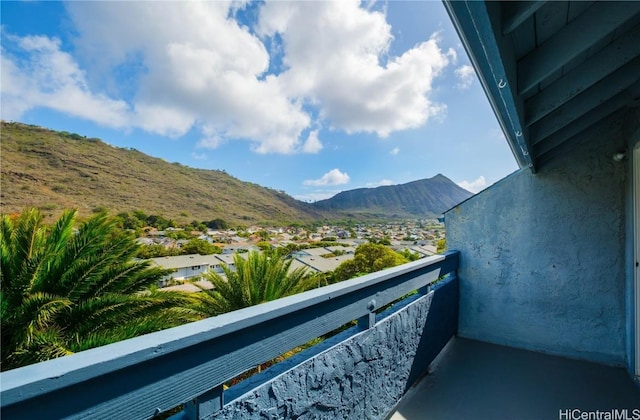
point(473, 23)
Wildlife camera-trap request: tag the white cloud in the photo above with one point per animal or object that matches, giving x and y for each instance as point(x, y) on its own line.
point(474, 186)
point(192, 65)
point(347, 72)
point(333, 177)
point(453, 55)
point(49, 77)
point(394, 151)
point(313, 144)
point(210, 139)
point(466, 75)
point(199, 156)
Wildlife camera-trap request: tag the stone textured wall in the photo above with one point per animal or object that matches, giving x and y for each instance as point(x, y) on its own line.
point(362, 377)
point(542, 255)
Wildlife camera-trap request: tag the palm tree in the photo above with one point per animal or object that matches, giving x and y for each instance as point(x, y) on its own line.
point(64, 290)
point(258, 279)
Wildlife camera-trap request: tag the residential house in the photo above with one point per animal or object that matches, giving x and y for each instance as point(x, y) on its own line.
point(228, 260)
point(185, 267)
point(322, 264)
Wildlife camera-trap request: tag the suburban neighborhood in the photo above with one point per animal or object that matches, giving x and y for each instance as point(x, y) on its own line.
point(418, 238)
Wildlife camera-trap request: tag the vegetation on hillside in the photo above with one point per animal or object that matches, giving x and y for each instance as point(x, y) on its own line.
point(56, 170)
point(68, 288)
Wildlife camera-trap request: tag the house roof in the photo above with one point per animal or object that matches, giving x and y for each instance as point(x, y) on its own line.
point(324, 264)
point(551, 69)
point(295, 264)
point(182, 261)
point(228, 259)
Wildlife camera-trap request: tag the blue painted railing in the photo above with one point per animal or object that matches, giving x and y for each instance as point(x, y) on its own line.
point(148, 375)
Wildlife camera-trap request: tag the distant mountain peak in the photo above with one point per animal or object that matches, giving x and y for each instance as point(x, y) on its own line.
point(423, 198)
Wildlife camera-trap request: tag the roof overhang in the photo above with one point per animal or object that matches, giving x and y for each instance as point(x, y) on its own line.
point(551, 69)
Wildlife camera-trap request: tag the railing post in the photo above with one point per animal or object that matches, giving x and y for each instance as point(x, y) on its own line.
point(205, 405)
point(369, 320)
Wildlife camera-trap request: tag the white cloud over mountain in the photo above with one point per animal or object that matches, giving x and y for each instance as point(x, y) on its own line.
point(171, 67)
point(474, 186)
point(333, 177)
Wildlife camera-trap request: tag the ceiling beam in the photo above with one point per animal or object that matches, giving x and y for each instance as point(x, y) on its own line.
point(578, 36)
point(587, 120)
point(597, 67)
point(602, 91)
point(517, 12)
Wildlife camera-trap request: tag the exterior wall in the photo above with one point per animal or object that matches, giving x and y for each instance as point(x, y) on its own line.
point(542, 256)
point(189, 272)
point(633, 218)
point(364, 376)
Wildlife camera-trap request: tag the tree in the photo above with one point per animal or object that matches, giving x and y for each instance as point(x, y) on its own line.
point(200, 246)
point(441, 245)
point(155, 251)
point(199, 226)
point(128, 221)
point(409, 255)
point(258, 279)
point(384, 241)
point(264, 235)
point(217, 224)
point(64, 290)
point(368, 258)
point(264, 246)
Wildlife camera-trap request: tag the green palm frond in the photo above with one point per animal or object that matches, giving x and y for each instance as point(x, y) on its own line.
point(37, 312)
point(62, 290)
point(46, 344)
point(258, 279)
point(6, 253)
point(54, 245)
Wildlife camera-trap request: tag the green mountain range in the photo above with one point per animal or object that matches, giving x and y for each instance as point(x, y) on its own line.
point(55, 170)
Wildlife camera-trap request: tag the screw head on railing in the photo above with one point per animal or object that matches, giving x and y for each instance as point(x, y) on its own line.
point(371, 305)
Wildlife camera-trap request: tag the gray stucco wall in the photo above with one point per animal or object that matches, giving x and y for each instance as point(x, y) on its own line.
point(364, 376)
point(542, 256)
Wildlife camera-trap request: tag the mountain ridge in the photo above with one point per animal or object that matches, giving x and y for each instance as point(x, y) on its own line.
point(54, 171)
point(428, 197)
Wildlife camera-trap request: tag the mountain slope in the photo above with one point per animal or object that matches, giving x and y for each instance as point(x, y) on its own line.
point(417, 199)
point(58, 170)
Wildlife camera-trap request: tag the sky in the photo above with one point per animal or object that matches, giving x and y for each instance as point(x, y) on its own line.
point(308, 97)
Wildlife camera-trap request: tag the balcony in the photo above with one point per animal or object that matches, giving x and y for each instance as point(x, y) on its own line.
point(361, 372)
point(541, 298)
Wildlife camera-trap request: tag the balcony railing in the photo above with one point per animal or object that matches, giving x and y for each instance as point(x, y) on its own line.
point(148, 375)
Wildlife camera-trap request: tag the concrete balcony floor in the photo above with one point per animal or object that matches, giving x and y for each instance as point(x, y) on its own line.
point(477, 380)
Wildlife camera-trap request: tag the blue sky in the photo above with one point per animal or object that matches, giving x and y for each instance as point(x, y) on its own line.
point(312, 98)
